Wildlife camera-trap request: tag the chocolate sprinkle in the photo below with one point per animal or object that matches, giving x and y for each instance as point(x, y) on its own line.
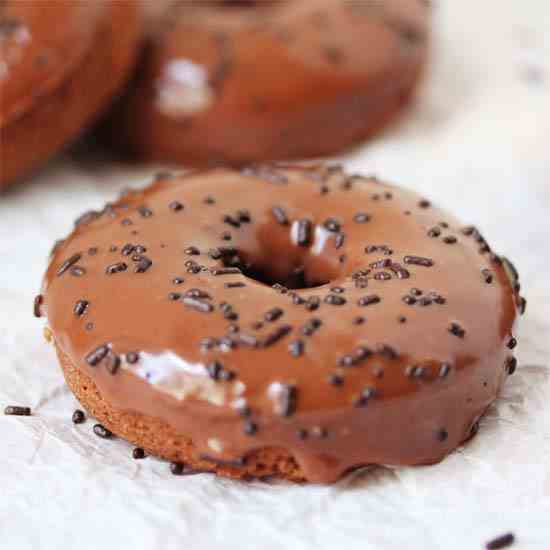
point(102, 431)
point(304, 232)
point(418, 260)
point(504, 541)
point(339, 240)
point(457, 330)
point(145, 212)
point(214, 369)
point(127, 249)
point(68, 264)
point(511, 365)
point(138, 453)
point(415, 371)
point(487, 276)
point(119, 267)
point(78, 417)
point(197, 304)
point(14, 410)
point(235, 284)
point(112, 363)
point(177, 468)
point(81, 307)
point(250, 428)
point(97, 355)
point(77, 271)
point(287, 399)
point(361, 217)
point(312, 303)
point(311, 326)
point(336, 379)
point(132, 357)
point(363, 399)
point(368, 300)
point(276, 335)
point(296, 348)
point(38, 301)
point(244, 216)
point(226, 271)
point(280, 215)
point(444, 370)
point(335, 300)
point(231, 221)
point(248, 339)
point(273, 314)
point(332, 225)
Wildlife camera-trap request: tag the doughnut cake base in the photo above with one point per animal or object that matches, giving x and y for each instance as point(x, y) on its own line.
point(158, 438)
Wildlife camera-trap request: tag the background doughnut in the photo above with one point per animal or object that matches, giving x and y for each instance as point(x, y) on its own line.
point(239, 82)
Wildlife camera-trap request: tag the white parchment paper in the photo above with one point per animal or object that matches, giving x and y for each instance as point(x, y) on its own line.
point(478, 143)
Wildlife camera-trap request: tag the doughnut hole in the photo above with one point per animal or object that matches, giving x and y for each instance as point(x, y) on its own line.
point(272, 255)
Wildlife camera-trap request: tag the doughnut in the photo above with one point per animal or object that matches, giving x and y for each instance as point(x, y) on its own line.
point(60, 63)
point(280, 320)
point(234, 82)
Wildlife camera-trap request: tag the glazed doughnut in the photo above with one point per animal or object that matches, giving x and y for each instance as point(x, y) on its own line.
point(242, 81)
point(60, 63)
point(289, 321)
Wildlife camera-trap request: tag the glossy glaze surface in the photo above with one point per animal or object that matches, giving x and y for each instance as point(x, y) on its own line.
point(409, 344)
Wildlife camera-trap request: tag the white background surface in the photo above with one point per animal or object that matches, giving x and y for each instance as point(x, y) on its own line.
point(477, 143)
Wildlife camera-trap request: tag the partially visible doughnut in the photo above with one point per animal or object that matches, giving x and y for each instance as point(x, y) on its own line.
point(60, 63)
point(245, 81)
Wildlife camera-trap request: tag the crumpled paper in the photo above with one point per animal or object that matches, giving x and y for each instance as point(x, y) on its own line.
point(477, 142)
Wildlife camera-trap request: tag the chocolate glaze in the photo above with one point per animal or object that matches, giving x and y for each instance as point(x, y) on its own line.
point(220, 362)
point(240, 82)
